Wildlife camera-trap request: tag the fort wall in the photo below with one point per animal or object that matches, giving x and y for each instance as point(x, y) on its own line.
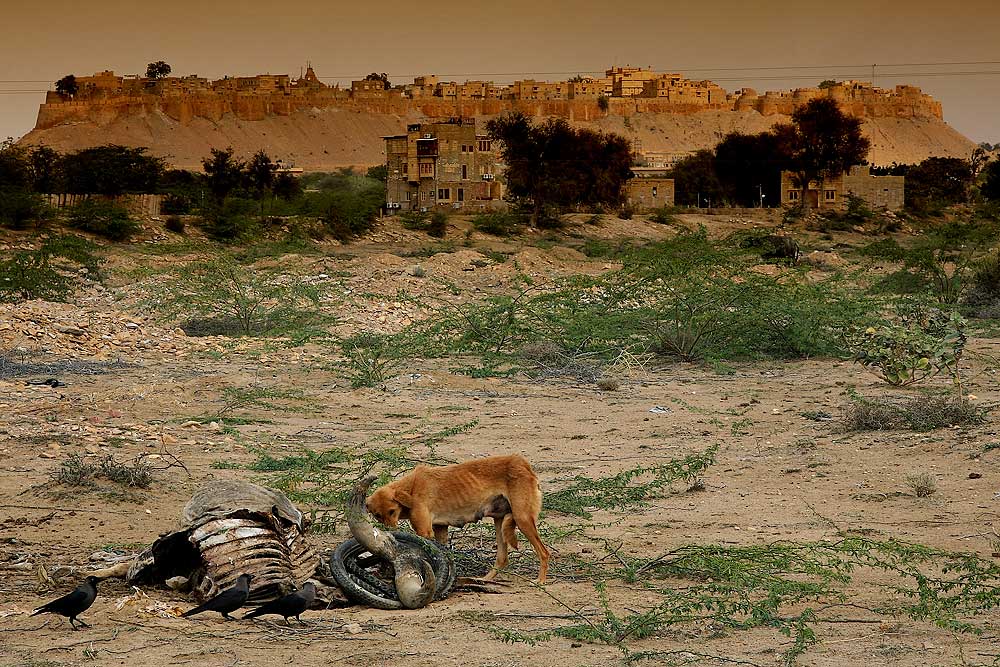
point(248, 99)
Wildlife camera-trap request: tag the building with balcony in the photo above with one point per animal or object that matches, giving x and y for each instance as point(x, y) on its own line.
point(445, 163)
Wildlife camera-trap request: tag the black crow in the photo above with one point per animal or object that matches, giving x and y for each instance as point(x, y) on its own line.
point(228, 600)
point(72, 604)
point(292, 604)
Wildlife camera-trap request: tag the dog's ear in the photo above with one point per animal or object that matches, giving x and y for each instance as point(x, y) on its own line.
point(404, 499)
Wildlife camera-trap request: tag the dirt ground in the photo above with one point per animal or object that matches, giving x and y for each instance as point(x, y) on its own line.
point(778, 476)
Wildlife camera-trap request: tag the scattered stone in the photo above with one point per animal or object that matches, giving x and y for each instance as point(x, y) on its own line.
point(352, 628)
point(416, 271)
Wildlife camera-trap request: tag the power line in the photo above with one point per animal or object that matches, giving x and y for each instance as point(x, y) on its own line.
point(841, 75)
point(763, 68)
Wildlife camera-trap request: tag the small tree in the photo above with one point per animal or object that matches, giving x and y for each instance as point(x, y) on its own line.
point(46, 170)
point(555, 164)
point(937, 182)
point(383, 77)
point(991, 185)
point(602, 103)
point(255, 300)
point(260, 174)
point(286, 186)
point(696, 181)
point(67, 86)
point(157, 70)
point(111, 171)
point(15, 165)
point(827, 83)
point(224, 172)
point(379, 172)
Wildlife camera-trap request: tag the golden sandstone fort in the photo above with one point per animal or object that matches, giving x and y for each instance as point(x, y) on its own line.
point(317, 125)
point(627, 90)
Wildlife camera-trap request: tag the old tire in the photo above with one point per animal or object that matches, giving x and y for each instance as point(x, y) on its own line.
point(363, 587)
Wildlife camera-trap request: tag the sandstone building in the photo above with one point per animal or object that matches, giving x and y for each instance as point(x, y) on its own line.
point(879, 192)
point(649, 189)
point(445, 163)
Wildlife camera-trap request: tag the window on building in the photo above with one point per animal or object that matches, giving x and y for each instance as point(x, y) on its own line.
point(465, 172)
point(461, 194)
point(654, 190)
point(426, 168)
point(405, 167)
point(444, 193)
point(831, 195)
point(408, 195)
point(793, 195)
point(484, 145)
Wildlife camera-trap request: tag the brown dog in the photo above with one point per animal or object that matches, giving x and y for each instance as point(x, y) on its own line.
point(504, 488)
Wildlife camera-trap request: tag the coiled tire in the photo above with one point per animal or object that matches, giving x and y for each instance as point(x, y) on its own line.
point(362, 586)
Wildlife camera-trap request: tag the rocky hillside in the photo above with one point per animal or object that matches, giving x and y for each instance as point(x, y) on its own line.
point(324, 139)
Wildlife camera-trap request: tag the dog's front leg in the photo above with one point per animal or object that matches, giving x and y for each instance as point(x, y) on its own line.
point(422, 522)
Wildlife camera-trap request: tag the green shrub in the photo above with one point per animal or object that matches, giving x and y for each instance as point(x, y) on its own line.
point(174, 224)
point(103, 217)
point(499, 223)
point(434, 224)
point(438, 225)
point(231, 220)
point(858, 211)
point(626, 212)
point(664, 216)
point(231, 298)
point(416, 220)
point(39, 274)
point(982, 299)
point(20, 208)
point(372, 358)
point(175, 204)
point(685, 298)
point(917, 344)
point(29, 275)
point(792, 214)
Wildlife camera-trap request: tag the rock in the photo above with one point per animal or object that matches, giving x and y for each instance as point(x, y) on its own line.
point(72, 331)
point(352, 628)
point(975, 475)
point(823, 260)
point(177, 583)
point(416, 271)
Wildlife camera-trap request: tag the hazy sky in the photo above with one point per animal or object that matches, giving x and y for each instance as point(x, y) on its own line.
point(733, 42)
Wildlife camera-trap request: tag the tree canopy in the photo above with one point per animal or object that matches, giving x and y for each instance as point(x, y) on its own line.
point(157, 70)
point(696, 180)
point(224, 172)
point(991, 185)
point(827, 141)
point(749, 166)
point(937, 182)
point(111, 171)
point(67, 86)
point(383, 77)
point(555, 164)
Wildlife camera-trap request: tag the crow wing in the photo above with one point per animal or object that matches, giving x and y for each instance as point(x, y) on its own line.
point(68, 605)
point(228, 600)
